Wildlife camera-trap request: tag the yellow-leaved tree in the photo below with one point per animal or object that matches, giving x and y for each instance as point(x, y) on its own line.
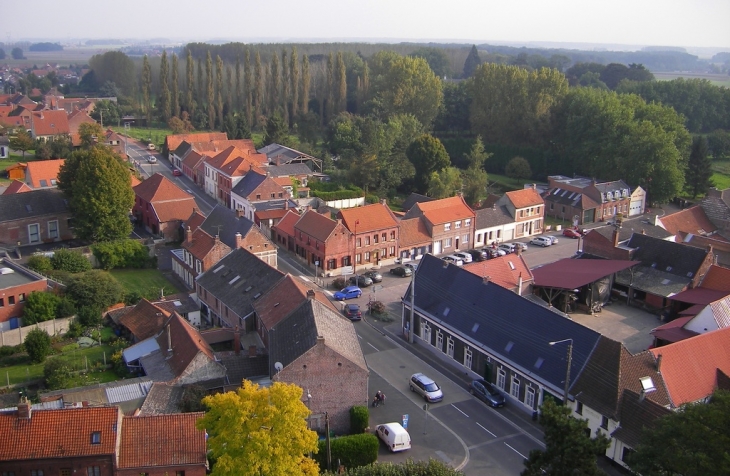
point(260, 431)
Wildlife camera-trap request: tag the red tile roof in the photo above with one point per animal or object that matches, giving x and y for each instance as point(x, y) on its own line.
point(717, 278)
point(368, 218)
point(169, 201)
point(145, 320)
point(186, 344)
point(174, 210)
point(317, 226)
point(173, 141)
point(413, 233)
point(699, 295)
point(162, 440)
point(674, 331)
point(445, 210)
point(504, 271)
point(194, 220)
point(16, 186)
point(43, 170)
point(286, 225)
point(689, 367)
point(691, 220)
point(60, 433)
point(527, 197)
point(49, 123)
point(286, 295)
point(202, 243)
point(571, 273)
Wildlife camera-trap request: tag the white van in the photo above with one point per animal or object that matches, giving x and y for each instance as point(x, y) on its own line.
point(395, 437)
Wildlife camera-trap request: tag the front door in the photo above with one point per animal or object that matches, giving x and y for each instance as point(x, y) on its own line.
point(439, 341)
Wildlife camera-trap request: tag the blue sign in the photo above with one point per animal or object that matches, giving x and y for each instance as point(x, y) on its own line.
point(404, 419)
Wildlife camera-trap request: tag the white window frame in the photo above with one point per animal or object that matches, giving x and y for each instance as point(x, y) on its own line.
point(450, 347)
point(514, 388)
point(457, 224)
point(501, 378)
point(465, 239)
point(468, 355)
point(530, 396)
point(447, 226)
point(439, 340)
point(447, 243)
point(53, 229)
point(426, 332)
point(37, 233)
point(467, 222)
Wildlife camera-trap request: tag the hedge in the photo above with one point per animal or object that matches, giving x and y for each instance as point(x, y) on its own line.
point(122, 254)
point(359, 418)
point(351, 451)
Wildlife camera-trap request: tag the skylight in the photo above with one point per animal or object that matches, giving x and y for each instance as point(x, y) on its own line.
point(219, 268)
point(475, 327)
point(511, 265)
point(509, 346)
point(647, 384)
point(446, 311)
point(539, 362)
point(234, 279)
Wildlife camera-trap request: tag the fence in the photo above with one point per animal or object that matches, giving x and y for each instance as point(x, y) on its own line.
point(52, 327)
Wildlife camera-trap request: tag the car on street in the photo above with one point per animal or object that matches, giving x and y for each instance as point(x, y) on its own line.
point(553, 239)
point(541, 241)
point(151, 159)
point(401, 271)
point(413, 265)
point(425, 387)
point(176, 172)
point(487, 393)
point(521, 245)
point(453, 260)
point(352, 312)
point(374, 275)
point(362, 281)
point(395, 437)
point(478, 255)
point(465, 257)
point(350, 292)
point(151, 146)
point(571, 233)
point(507, 247)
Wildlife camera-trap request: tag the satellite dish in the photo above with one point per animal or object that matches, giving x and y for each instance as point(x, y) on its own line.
point(278, 366)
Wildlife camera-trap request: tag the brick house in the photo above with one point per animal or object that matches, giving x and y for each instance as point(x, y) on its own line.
point(173, 141)
point(16, 283)
point(16, 186)
point(492, 225)
point(591, 201)
point(449, 221)
point(43, 173)
point(46, 125)
point(161, 206)
point(509, 271)
point(199, 252)
point(375, 231)
point(322, 240)
point(527, 208)
point(269, 213)
point(414, 239)
point(255, 188)
point(75, 119)
point(224, 170)
point(38, 216)
point(283, 233)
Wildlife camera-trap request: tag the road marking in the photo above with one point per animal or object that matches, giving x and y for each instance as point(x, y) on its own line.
point(508, 446)
point(457, 409)
point(329, 293)
point(304, 278)
point(480, 426)
point(371, 345)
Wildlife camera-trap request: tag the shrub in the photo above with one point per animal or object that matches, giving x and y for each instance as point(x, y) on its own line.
point(38, 345)
point(372, 199)
point(359, 418)
point(70, 261)
point(40, 263)
point(132, 298)
point(40, 306)
point(377, 308)
point(352, 451)
point(8, 350)
point(122, 254)
point(339, 283)
point(65, 308)
point(89, 316)
point(57, 373)
point(192, 399)
point(432, 467)
point(94, 288)
point(75, 330)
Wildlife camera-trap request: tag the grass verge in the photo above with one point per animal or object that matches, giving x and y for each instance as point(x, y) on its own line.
point(145, 282)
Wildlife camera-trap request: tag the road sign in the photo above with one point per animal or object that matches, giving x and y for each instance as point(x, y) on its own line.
point(347, 270)
point(404, 419)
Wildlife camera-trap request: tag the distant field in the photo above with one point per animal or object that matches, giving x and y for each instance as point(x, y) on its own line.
point(716, 79)
point(64, 58)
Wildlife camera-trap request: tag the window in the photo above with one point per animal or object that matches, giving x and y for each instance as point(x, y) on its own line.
point(12, 473)
point(538, 210)
point(367, 240)
point(358, 258)
point(179, 473)
point(36, 472)
point(467, 358)
point(479, 237)
point(2, 302)
point(467, 222)
point(53, 229)
point(392, 251)
point(552, 206)
point(273, 195)
point(11, 300)
point(457, 225)
point(530, 397)
point(375, 238)
point(384, 236)
point(331, 264)
point(367, 256)
point(489, 236)
point(626, 454)
point(514, 389)
point(450, 347)
point(93, 471)
point(447, 226)
point(358, 242)
point(258, 196)
point(197, 266)
point(96, 438)
point(34, 233)
point(563, 210)
point(501, 377)
point(465, 239)
point(392, 235)
point(604, 422)
point(499, 234)
point(447, 243)
point(21, 297)
point(281, 194)
point(579, 408)
point(522, 213)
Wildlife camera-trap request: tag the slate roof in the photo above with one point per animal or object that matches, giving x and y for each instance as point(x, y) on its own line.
point(493, 216)
point(144, 320)
point(717, 208)
point(501, 322)
point(286, 224)
point(286, 170)
point(182, 303)
point(316, 225)
point(163, 398)
point(412, 233)
point(162, 440)
point(414, 198)
point(369, 218)
point(444, 210)
point(504, 271)
point(274, 151)
point(571, 198)
point(36, 203)
point(237, 278)
point(689, 366)
point(16, 186)
point(43, 173)
point(242, 366)
point(629, 229)
point(668, 256)
point(62, 433)
point(654, 281)
point(635, 416)
point(223, 222)
point(527, 197)
point(570, 273)
point(690, 220)
point(298, 333)
point(248, 184)
point(280, 300)
point(717, 278)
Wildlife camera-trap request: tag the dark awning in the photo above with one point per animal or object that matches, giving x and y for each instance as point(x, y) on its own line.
point(571, 273)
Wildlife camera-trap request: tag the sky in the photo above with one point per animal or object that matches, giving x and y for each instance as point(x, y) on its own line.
point(688, 23)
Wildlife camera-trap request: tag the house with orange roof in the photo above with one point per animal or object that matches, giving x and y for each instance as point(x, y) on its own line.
point(210, 148)
point(375, 231)
point(527, 208)
point(161, 206)
point(269, 213)
point(173, 141)
point(143, 321)
point(323, 244)
point(19, 118)
point(75, 119)
point(43, 173)
point(17, 171)
point(16, 186)
point(509, 271)
point(414, 240)
point(283, 233)
point(199, 252)
point(46, 124)
point(449, 221)
point(226, 169)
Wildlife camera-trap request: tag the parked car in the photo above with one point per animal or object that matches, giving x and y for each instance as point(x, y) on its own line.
point(176, 172)
point(478, 255)
point(521, 245)
point(374, 275)
point(413, 265)
point(541, 241)
point(487, 393)
point(507, 247)
point(361, 280)
point(401, 271)
point(571, 233)
point(453, 260)
point(350, 292)
point(425, 387)
point(151, 159)
point(395, 437)
point(553, 239)
point(465, 257)
point(352, 312)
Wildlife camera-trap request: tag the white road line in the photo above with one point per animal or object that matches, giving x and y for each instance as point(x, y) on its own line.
point(480, 426)
point(458, 410)
point(371, 345)
point(508, 446)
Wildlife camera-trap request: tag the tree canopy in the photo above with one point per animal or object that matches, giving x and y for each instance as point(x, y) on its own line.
point(428, 155)
point(90, 133)
point(114, 66)
point(258, 430)
point(38, 345)
point(471, 63)
point(22, 141)
point(95, 288)
point(98, 185)
point(699, 168)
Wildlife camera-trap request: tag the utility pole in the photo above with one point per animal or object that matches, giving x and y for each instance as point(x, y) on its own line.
point(329, 448)
point(413, 308)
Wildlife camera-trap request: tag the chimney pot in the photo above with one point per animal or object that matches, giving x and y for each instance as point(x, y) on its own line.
point(320, 339)
point(310, 294)
point(239, 240)
point(189, 235)
point(659, 363)
point(615, 237)
point(24, 409)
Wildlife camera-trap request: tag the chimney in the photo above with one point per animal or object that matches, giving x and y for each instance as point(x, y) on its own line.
point(534, 186)
point(485, 279)
point(286, 204)
point(169, 339)
point(162, 294)
point(320, 340)
point(384, 201)
point(240, 213)
point(310, 294)
point(659, 363)
point(643, 231)
point(236, 341)
point(24, 409)
point(239, 240)
point(519, 284)
point(188, 236)
point(615, 237)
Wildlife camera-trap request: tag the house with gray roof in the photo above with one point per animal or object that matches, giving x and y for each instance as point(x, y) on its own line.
point(280, 155)
point(717, 208)
point(492, 224)
point(35, 217)
point(253, 189)
point(493, 333)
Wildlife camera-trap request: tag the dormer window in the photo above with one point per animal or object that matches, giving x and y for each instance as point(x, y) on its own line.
point(609, 196)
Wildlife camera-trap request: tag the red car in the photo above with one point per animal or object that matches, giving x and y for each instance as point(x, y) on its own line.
point(571, 233)
point(176, 172)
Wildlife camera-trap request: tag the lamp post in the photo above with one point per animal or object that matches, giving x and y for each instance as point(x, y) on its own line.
point(567, 370)
point(413, 310)
point(354, 258)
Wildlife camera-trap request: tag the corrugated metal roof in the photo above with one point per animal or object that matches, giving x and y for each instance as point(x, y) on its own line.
point(124, 393)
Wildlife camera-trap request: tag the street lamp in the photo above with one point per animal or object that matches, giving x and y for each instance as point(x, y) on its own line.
point(413, 309)
point(567, 370)
point(354, 258)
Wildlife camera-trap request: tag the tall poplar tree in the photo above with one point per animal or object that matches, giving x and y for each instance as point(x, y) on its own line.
point(238, 95)
point(164, 103)
point(247, 86)
point(306, 84)
point(294, 87)
point(146, 85)
point(274, 83)
point(699, 168)
point(200, 92)
point(190, 86)
point(210, 91)
point(219, 90)
point(258, 89)
point(329, 105)
point(285, 87)
point(341, 81)
point(175, 105)
point(471, 63)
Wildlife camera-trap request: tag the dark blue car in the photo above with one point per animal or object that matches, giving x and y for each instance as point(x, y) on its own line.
point(487, 393)
point(350, 292)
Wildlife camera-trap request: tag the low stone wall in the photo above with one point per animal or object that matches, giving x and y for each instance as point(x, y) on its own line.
point(53, 327)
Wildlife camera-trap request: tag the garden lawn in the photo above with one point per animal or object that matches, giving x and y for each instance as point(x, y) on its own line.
point(721, 181)
point(145, 282)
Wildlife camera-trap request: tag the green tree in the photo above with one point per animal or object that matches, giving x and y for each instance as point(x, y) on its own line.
point(432, 467)
point(192, 399)
point(475, 179)
point(436, 58)
point(276, 131)
point(238, 103)
point(106, 111)
point(210, 91)
point(175, 104)
point(114, 66)
point(90, 133)
point(472, 62)
point(258, 86)
point(98, 185)
point(190, 83)
point(518, 168)
point(164, 98)
point(699, 168)
point(693, 441)
point(22, 141)
point(89, 316)
point(294, 77)
point(285, 87)
point(17, 53)
point(453, 115)
point(270, 435)
point(38, 345)
point(147, 88)
point(39, 307)
point(243, 129)
point(57, 374)
point(247, 87)
point(568, 450)
point(94, 288)
point(219, 90)
point(70, 261)
point(306, 83)
point(274, 85)
point(719, 142)
point(428, 155)
point(40, 263)
point(341, 84)
point(445, 183)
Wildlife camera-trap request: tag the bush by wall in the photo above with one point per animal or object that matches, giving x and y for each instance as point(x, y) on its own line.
point(359, 418)
point(351, 451)
point(40, 263)
point(70, 261)
point(122, 254)
point(330, 191)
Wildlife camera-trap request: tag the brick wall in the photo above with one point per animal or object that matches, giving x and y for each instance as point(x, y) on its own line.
point(17, 294)
point(17, 231)
point(77, 465)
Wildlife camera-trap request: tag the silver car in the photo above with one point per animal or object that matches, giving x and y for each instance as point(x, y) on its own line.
point(426, 387)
